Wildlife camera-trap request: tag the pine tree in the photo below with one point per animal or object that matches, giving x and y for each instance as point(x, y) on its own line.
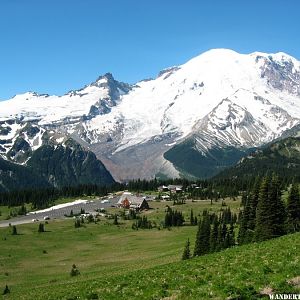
point(293, 209)
point(14, 230)
point(41, 228)
point(186, 252)
point(195, 221)
point(192, 221)
point(231, 235)
point(214, 235)
point(116, 220)
point(6, 290)
point(262, 227)
point(270, 212)
point(245, 233)
point(253, 201)
point(77, 223)
point(277, 208)
point(220, 241)
point(247, 218)
point(202, 245)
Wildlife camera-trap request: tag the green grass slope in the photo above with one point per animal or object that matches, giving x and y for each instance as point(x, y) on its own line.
point(119, 263)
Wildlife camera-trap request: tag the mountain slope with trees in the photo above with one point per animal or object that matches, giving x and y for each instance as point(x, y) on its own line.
point(14, 176)
point(281, 157)
point(69, 164)
point(53, 165)
point(190, 161)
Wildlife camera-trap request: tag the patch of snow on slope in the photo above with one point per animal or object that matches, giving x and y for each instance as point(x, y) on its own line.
point(51, 108)
point(60, 206)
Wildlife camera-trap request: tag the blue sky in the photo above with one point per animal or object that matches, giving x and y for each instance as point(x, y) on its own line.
point(53, 46)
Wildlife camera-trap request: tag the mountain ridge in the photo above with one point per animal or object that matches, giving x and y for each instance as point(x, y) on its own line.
point(220, 98)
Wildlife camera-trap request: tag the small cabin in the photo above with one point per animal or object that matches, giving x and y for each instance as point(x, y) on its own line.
point(163, 188)
point(128, 200)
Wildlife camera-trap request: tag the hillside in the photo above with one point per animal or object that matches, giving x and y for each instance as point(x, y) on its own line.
point(281, 157)
point(240, 273)
point(52, 164)
point(189, 161)
point(69, 164)
point(14, 176)
point(139, 269)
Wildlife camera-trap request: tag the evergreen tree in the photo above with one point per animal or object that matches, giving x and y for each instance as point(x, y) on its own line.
point(214, 235)
point(173, 218)
point(77, 223)
point(231, 235)
point(41, 228)
point(277, 208)
point(293, 209)
point(192, 221)
point(248, 216)
point(253, 200)
point(6, 290)
point(116, 220)
point(244, 232)
point(186, 252)
point(220, 241)
point(195, 221)
point(202, 245)
point(14, 230)
point(227, 240)
point(198, 237)
point(262, 227)
point(142, 223)
point(244, 199)
point(270, 213)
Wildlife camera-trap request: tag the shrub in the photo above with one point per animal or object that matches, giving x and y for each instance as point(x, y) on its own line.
point(6, 290)
point(74, 271)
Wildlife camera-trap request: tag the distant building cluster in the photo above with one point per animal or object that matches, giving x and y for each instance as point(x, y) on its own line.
point(170, 188)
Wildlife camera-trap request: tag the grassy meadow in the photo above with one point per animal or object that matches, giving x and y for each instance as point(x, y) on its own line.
point(116, 262)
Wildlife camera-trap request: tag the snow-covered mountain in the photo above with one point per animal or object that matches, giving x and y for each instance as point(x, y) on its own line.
point(219, 99)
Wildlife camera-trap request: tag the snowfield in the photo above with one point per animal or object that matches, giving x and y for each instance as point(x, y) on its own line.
point(59, 206)
point(242, 100)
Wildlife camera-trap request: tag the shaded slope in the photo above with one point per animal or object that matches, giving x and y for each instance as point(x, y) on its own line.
point(188, 159)
point(13, 176)
point(69, 165)
point(281, 157)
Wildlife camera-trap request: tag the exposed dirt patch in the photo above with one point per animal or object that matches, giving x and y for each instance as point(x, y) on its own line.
point(294, 281)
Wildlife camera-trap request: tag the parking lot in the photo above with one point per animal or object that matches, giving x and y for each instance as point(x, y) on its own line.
point(58, 213)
